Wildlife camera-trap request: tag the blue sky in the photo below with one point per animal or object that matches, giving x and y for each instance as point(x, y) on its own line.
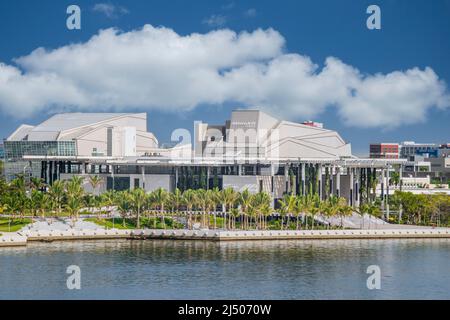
point(413, 34)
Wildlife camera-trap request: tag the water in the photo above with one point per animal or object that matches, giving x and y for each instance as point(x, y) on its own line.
point(158, 269)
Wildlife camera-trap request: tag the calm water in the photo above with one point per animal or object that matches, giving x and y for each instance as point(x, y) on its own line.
point(232, 270)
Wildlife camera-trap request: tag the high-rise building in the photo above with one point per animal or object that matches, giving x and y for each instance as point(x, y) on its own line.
point(384, 150)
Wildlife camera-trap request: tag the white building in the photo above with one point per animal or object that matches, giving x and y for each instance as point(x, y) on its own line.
point(252, 150)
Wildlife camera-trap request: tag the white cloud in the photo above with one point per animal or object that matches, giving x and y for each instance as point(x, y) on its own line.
point(110, 10)
point(215, 20)
point(155, 68)
point(250, 13)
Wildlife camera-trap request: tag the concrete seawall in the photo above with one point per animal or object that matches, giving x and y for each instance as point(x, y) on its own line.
point(21, 238)
point(10, 239)
point(220, 235)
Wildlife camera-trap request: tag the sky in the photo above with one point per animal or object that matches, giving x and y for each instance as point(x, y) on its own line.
point(182, 61)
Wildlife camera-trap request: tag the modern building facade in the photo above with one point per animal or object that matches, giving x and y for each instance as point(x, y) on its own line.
point(409, 149)
point(384, 150)
point(252, 150)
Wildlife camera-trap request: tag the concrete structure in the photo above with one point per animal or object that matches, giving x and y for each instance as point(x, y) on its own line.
point(397, 232)
point(252, 150)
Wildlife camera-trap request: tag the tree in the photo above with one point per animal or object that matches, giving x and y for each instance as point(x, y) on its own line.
point(123, 202)
point(229, 198)
point(95, 182)
point(344, 210)
point(314, 207)
point(394, 179)
point(189, 201)
point(56, 192)
point(138, 200)
point(161, 197)
point(245, 200)
point(75, 191)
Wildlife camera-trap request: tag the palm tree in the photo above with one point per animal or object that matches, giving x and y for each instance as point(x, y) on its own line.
point(344, 210)
point(245, 200)
point(95, 182)
point(56, 192)
point(74, 189)
point(36, 183)
point(374, 210)
point(37, 198)
point(260, 202)
point(332, 206)
point(161, 197)
point(138, 200)
point(73, 206)
point(189, 201)
point(266, 210)
point(222, 199)
point(211, 203)
point(230, 197)
point(123, 202)
point(287, 205)
point(314, 207)
point(299, 207)
point(18, 196)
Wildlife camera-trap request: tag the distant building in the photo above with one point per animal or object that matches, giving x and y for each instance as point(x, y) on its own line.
point(411, 148)
point(313, 124)
point(384, 150)
point(444, 150)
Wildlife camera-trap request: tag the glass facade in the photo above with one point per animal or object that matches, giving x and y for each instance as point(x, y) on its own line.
point(15, 150)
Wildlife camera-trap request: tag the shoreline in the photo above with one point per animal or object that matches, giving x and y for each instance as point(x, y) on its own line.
point(21, 238)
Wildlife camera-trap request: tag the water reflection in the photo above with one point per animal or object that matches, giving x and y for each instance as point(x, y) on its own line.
point(283, 269)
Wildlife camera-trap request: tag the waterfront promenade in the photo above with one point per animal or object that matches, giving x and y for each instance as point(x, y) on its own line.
point(31, 234)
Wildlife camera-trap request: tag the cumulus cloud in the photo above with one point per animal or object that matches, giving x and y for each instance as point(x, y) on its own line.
point(110, 10)
point(156, 68)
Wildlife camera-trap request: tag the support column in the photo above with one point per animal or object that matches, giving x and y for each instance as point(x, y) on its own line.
point(286, 178)
point(331, 182)
point(400, 209)
point(143, 177)
point(338, 181)
point(319, 180)
point(272, 187)
point(303, 178)
point(352, 182)
point(382, 188)
point(112, 176)
point(387, 193)
point(357, 187)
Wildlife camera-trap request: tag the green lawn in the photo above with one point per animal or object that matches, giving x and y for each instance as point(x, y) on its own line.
point(131, 223)
point(16, 224)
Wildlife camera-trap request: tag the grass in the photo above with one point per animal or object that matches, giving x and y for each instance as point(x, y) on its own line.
point(150, 223)
point(16, 224)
